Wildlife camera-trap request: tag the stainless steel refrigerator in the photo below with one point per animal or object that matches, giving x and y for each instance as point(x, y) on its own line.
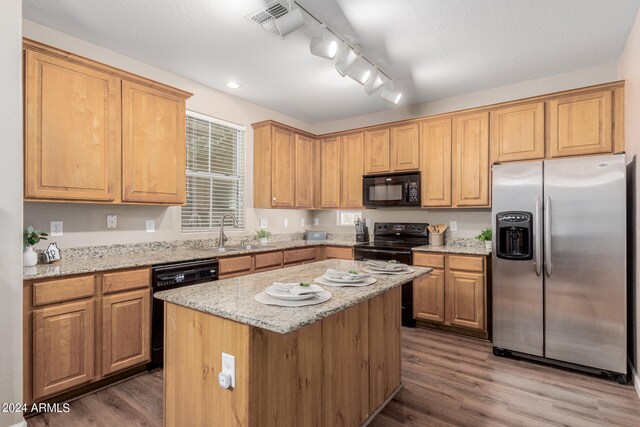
point(559, 261)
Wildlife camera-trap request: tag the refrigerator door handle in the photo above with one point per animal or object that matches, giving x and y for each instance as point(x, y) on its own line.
point(538, 241)
point(547, 236)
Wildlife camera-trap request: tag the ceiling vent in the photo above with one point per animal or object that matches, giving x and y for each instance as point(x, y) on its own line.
point(266, 16)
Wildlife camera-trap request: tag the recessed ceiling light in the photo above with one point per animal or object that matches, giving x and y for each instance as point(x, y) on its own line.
point(233, 85)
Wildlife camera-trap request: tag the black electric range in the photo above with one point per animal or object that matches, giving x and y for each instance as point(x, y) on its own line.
point(395, 241)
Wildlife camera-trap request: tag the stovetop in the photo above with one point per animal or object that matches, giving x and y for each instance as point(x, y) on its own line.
point(397, 236)
point(389, 245)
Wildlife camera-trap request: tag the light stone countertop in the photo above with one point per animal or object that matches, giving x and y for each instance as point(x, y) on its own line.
point(455, 249)
point(95, 263)
point(233, 299)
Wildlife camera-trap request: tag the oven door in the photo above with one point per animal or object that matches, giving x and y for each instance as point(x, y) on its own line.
point(391, 190)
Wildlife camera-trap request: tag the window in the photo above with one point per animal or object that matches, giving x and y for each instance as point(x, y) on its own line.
point(215, 173)
point(348, 218)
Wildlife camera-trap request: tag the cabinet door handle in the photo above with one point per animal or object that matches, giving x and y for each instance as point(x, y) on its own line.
point(274, 199)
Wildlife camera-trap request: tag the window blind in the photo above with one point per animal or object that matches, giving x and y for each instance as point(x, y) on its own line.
point(215, 173)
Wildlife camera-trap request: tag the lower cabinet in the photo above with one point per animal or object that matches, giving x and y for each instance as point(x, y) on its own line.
point(454, 295)
point(70, 342)
point(337, 252)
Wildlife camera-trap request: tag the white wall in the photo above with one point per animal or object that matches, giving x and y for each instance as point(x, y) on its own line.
point(556, 83)
point(86, 224)
point(630, 71)
point(11, 208)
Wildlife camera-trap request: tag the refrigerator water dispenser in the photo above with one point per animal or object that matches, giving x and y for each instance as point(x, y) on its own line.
point(514, 236)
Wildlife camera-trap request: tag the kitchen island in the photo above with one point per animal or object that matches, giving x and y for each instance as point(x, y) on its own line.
point(335, 363)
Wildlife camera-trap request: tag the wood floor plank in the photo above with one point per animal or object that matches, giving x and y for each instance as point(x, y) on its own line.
point(449, 381)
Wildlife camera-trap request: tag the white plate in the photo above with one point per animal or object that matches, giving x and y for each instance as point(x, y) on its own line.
point(339, 280)
point(323, 281)
point(287, 296)
point(263, 298)
point(371, 267)
point(405, 271)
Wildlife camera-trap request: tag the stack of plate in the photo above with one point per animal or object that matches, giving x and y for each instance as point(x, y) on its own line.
point(384, 267)
point(341, 278)
point(292, 295)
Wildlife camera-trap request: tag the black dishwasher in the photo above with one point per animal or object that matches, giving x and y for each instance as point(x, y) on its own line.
point(172, 276)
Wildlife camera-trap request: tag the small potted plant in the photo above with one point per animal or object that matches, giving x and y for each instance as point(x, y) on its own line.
point(485, 236)
point(262, 236)
point(30, 237)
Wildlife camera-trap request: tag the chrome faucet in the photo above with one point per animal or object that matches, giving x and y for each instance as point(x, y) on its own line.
point(222, 237)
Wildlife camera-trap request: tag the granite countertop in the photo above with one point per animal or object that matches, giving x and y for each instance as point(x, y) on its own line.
point(96, 263)
point(455, 249)
point(234, 298)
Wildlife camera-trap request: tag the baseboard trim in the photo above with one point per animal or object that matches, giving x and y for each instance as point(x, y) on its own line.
point(636, 378)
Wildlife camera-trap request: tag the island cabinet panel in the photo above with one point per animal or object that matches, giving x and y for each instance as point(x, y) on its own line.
point(193, 349)
point(384, 346)
point(435, 162)
point(405, 147)
point(294, 399)
point(428, 291)
point(517, 133)
point(268, 261)
point(305, 172)
point(345, 343)
point(235, 266)
point(153, 146)
point(352, 170)
point(376, 151)
point(470, 164)
point(330, 174)
point(580, 124)
point(72, 131)
point(126, 330)
point(283, 167)
point(63, 347)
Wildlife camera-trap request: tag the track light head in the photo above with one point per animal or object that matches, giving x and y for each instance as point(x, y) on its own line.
point(360, 71)
point(393, 96)
point(346, 58)
point(376, 81)
point(292, 21)
point(324, 47)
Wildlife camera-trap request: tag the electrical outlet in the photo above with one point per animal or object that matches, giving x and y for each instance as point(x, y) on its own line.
point(229, 367)
point(151, 226)
point(55, 229)
point(301, 222)
point(367, 222)
point(285, 222)
point(453, 225)
point(112, 221)
point(263, 222)
point(316, 221)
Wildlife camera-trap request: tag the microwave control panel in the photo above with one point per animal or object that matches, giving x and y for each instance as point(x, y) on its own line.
point(413, 192)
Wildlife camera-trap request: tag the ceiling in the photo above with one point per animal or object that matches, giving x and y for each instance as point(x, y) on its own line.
point(432, 49)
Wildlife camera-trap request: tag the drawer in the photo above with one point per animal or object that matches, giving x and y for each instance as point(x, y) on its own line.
point(428, 260)
point(300, 255)
point(337, 252)
point(236, 265)
point(63, 290)
point(126, 280)
point(268, 261)
point(467, 263)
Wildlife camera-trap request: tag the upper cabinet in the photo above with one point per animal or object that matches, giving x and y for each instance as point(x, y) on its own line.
point(517, 133)
point(283, 167)
point(376, 151)
point(352, 170)
point(153, 146)
point(405, 147)
point(98, 134)
point(330, 172)
point(435, 162)
point(470, 160)
point(72, 131)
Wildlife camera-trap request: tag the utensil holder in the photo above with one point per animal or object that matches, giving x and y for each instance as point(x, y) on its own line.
point(436, 239)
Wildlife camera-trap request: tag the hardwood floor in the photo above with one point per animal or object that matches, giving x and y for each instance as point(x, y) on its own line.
point(449, 381)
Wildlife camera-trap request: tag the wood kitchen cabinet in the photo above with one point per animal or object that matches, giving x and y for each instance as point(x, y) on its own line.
point(283, 174)
point(352, 168)
point(435, 162)
point(376, 151)
point(330, 173)
point(405, 147)
point(454, 295)
point(470, 160)
point(517, 132)
point(72, 131)
point(305, 171)
point(94, 133)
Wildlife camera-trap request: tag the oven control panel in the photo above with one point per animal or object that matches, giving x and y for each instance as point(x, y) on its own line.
point(383, 228)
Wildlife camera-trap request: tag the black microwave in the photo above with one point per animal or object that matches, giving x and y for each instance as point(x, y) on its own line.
point(396, 190)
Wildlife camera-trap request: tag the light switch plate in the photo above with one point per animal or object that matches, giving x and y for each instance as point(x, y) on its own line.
point(301, 222)
point(285, 222)
point(112, 221)
point(453, 225)
point(367, 222)
point(55, 229)
point(263, 222)
point(151, 226)
point(316, 221)
point(229, 367)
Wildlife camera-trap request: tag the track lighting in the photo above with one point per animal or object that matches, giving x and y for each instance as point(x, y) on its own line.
point(393, 96)
point(376, 81)
point(360, 71)
point(292, 21)
point(324, 47)
point(346, 58)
